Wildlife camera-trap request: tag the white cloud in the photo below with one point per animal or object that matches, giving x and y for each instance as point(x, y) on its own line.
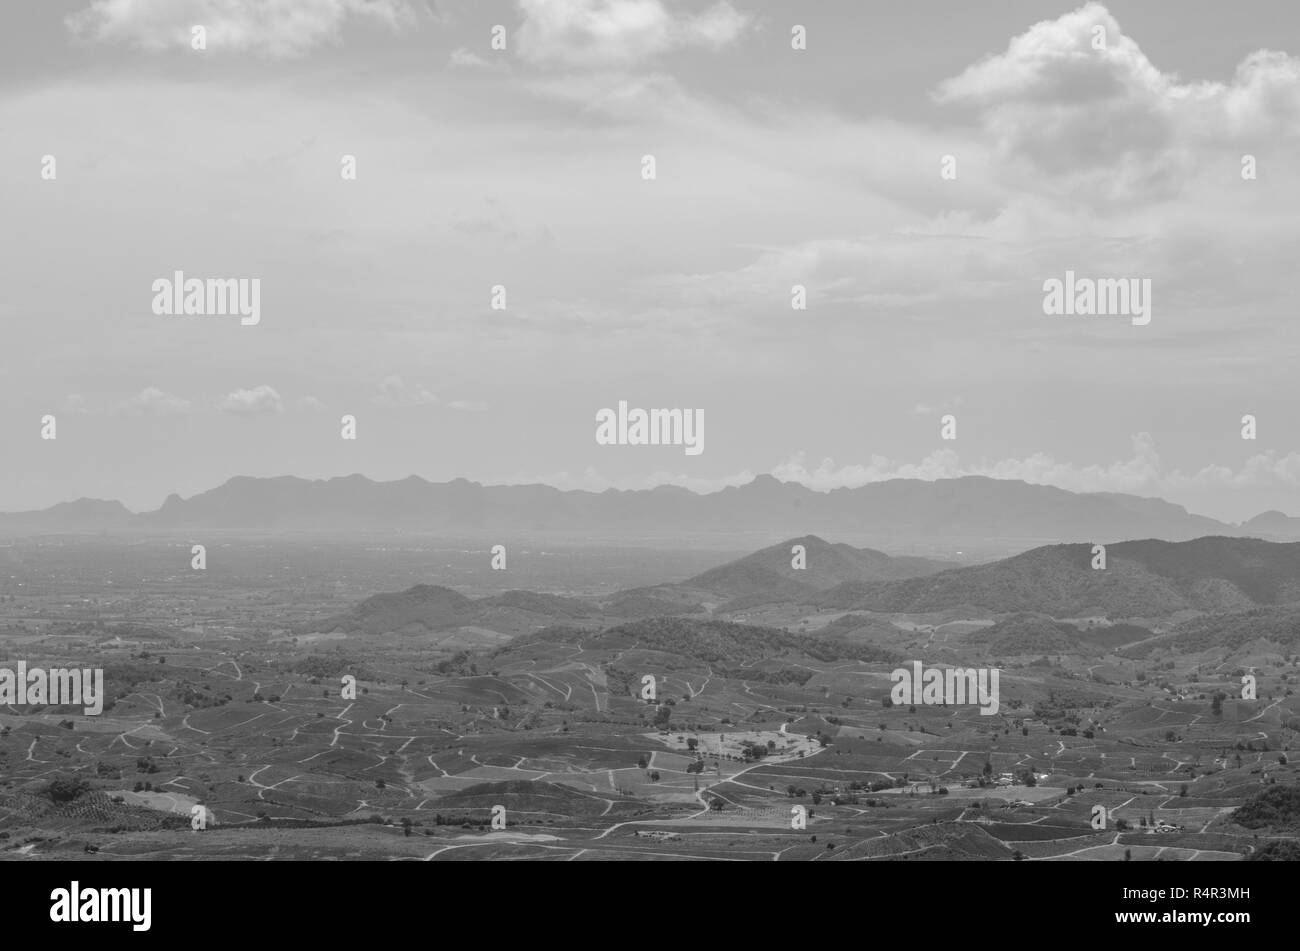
point(152, 401)
point(393, 392)
point(463, 58)
point(270, 28)
point(925, 409)
point(1142, 474)
point(75, 404)
point(255, 402)
point(592, 480)
point(620, 32)
point(1056, 101)
point(309, 403)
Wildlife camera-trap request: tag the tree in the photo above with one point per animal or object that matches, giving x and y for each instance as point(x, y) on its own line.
point(66, 790)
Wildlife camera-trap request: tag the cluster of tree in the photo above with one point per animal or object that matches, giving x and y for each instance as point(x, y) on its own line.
point(780, 677)
point(621, 680)
point(1277, 807)
point(1276, 850)
point(191, 696)
point(1281, 625)
point(65, 789)
point(752, 752)
point(329, 666)
point(462, 663)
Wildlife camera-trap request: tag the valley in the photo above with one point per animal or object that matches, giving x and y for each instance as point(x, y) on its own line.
point(1121, 731)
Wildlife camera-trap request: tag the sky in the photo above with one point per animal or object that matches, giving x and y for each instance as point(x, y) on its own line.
point(774, 166)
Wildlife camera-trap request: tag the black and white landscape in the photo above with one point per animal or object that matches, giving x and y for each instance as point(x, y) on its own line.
point(637, 430)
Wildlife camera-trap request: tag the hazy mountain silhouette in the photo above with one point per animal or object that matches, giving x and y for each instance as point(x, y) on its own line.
point(827, 565)
point(428, 608)
point(768, 576)
point(1273, 525)
point(763, 576)
point(970, 507)
point(79, 517)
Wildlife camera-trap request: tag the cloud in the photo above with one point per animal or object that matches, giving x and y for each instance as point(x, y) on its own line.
point(1055, 100)
point(152, 401)
point(586, 33)
point(1142, 474)
point(463, 58)
point(591, 479)
point(255, 402)
point(924, 267)
point(393, 392)
point(309, 403)
point(75, 404)
point(468, 406)
point(270, 28)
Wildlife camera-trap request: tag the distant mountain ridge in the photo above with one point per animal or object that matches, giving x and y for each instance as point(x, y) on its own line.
point(1272, 525)
point(425, 609)
point(79, 517)
point(969, 507)
point(764, 576)
point(1141, 579)
point(769, 575)
point(825, 565)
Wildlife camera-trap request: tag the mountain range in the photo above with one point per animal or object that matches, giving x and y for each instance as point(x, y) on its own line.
point(972, 507)
point(1142, 579)
point(762, 577)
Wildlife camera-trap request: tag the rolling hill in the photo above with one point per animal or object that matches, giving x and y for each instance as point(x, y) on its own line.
point(425, 609)
point(722, 643)
point(1142, 579)
point(769, 571)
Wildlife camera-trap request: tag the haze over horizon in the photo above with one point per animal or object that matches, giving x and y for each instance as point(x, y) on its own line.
point(521, 168)
point(696, 490)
